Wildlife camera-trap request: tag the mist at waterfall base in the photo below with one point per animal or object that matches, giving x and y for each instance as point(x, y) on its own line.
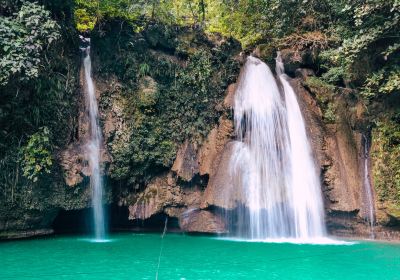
point(272, 164)
point(93, 148)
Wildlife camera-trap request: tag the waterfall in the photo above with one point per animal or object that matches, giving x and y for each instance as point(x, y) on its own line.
point(272, 164)
point(369, 200)
point(94, 149)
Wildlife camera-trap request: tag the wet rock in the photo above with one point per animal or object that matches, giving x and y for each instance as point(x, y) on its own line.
point(164, 195)
point(111, 110)
point(221, 191)
point(230, 96)
point(191, 160)
point(74, 158)
point(349, 225)
point(71, 161)
point(157, 195)
point(183, 203)
point(313, 118)
point(211, 151)
point(387, 214)
point(337, 151)
point(343, 147)
point(26, 233)
point(186, 164)
point(14, 224)
point(265, 52)
point(202, 221)
point(294, 59)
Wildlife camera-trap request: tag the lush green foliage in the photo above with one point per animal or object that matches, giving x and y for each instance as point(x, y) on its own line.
point(324, 94)
point(37, 101)
point(166, 99)
point(37, 156)
point(182, 12)
point(358, 41)
point(23, 38)
point(386, 154)
point(367, 54)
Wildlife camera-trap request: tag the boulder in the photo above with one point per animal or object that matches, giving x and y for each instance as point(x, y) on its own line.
point(164, 195)
point(202, 221)
point(157, 195)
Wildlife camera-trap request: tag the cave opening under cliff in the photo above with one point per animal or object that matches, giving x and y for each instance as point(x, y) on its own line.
point(72, 221)
point(156, 223)
point(80, 222)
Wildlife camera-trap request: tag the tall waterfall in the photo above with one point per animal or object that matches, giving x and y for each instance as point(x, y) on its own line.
point(272, 162)
point(369, 197)
point(94, 149)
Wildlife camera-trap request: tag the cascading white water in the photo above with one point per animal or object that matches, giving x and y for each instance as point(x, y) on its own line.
point(369, 200)
point(94, 149)
point(272, 162)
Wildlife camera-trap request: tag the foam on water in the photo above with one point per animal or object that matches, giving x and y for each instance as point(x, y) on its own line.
point(95, 240)
point(309, 241)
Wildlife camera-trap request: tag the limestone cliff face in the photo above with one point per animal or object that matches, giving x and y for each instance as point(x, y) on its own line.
point(184, 192)
point(338, 152)
point(338, 146)
point(337, 149)
point(160, 96)
point(196, 185)
point(74, 158)
point(156, 165)
point(338, 143)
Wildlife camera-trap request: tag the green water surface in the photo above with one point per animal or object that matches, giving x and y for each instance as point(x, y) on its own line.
point(135, 256)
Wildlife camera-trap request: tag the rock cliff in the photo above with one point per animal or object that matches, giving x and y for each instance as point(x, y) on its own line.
point(166, 98)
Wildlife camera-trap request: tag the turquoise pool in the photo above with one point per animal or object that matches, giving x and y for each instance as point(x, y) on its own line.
point(135, 256)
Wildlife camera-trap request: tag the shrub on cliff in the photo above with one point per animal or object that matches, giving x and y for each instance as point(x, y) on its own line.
point(37, 157)
point(24, 36)
point(171, 80)
point(38, 89)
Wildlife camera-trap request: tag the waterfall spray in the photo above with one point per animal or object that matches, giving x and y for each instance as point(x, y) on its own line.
point(272, 163)
point(94, 148)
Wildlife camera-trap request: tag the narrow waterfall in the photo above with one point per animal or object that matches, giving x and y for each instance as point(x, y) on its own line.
point(369, 199)
point(272, 163)
point(94, 149)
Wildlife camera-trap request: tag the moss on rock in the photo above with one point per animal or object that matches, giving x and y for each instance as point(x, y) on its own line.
point(170, 85)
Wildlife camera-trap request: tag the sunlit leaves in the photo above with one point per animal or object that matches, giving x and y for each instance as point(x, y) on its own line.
point(36, 155)
point(385, 155)
point(23, 38)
